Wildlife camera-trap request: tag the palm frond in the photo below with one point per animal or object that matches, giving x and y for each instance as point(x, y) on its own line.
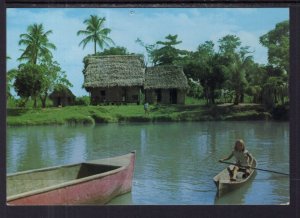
point(35, 40)
point(95, 32)
point(85, 41)
point(83, 32)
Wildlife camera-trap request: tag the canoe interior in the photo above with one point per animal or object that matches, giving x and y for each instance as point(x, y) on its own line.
point(224, 178)
point(34, 180)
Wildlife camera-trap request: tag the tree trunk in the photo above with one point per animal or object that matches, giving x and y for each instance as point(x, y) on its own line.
point(43, 100)
point(206, 94)
point(212, 95)
point(237, 98)
point(275, 97)
point(34, 102)
point(242, 98)
point(95, 47)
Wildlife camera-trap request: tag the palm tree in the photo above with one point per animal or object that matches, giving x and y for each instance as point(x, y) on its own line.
point(95, 32)
point(237, 81)
point(36, 42)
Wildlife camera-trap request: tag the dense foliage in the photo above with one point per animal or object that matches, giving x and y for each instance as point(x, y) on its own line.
point(229, 73)
point(114, 51)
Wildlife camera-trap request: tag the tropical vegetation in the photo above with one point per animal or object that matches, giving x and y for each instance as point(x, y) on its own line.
point(217, 73)
point(38, 73)
point(230, 72)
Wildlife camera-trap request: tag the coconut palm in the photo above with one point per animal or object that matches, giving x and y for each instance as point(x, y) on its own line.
point(36, 43)
point(95, 32)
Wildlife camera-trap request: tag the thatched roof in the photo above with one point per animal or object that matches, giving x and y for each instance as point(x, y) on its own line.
point(165, 77)
point(61, 91)
point(114, 70)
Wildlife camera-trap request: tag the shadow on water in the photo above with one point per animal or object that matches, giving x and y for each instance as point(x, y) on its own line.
point(236, 196)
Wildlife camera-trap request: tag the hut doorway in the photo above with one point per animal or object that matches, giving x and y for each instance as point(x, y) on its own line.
point(103, 96)
point(158, 95)
point(58, 101)
point(124, 94)
point(173, 96)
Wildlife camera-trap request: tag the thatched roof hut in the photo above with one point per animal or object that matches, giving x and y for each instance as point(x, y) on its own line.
point(114, 71)
point(165, 85)
point(62, 96)
point(165, 77)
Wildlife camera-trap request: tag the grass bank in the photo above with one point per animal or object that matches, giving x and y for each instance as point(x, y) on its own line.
point(133, 113)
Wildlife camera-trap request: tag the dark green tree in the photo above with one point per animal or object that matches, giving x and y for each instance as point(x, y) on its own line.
point(277, 42)
point(256, 76)
point(114, 51)
point(237, 77)
point(28, 81)
point(207, 67)
point(228, 45)
point(163, 52)
point(10, 76)
point(236, 60)
point(36, 44)
point(167, 53)
point(52, 76)
point(275, 86)
point(275, 89)
point(95, 33)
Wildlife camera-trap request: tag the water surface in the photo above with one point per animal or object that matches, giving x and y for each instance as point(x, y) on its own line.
point(175, 162)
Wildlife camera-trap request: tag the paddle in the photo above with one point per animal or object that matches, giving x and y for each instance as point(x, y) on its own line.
point(272, 171)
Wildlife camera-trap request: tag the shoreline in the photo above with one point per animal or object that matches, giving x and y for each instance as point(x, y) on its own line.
point(90, 115)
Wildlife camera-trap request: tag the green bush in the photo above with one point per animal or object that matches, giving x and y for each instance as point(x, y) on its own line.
point(84, 100)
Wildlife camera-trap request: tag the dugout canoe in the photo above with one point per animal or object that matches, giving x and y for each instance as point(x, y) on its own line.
point(223, 183)
point(83, 183)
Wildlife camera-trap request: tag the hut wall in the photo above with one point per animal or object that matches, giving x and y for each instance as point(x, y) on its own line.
point(96, 96)
point(62, 101)
point(180, 97)
point(133, 94)
point(102, 95)
point(151, 96)
point(165, 96)
point(115, 95)
point(55, 102)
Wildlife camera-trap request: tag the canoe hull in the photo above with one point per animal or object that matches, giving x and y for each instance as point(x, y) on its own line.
point(100, 190)
point(224, 185)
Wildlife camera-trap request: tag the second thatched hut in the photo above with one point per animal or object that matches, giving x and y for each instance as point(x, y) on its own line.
point(62, 96)
point(165, 85)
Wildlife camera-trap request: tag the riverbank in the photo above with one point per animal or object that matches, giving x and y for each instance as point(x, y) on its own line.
point(134, 113)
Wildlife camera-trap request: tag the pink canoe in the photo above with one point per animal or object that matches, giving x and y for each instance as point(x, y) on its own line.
point(90, 182)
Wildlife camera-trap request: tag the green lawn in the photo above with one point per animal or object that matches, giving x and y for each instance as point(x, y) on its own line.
point(131, 113)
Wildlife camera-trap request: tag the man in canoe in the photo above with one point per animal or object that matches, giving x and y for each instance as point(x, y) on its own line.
point(243, 160)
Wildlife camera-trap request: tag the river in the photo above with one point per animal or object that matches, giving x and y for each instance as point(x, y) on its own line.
point(175, 162)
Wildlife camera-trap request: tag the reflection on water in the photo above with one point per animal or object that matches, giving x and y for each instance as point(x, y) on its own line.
point(175, 161)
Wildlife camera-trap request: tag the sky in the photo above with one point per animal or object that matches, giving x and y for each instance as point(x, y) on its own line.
point(193, 26)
